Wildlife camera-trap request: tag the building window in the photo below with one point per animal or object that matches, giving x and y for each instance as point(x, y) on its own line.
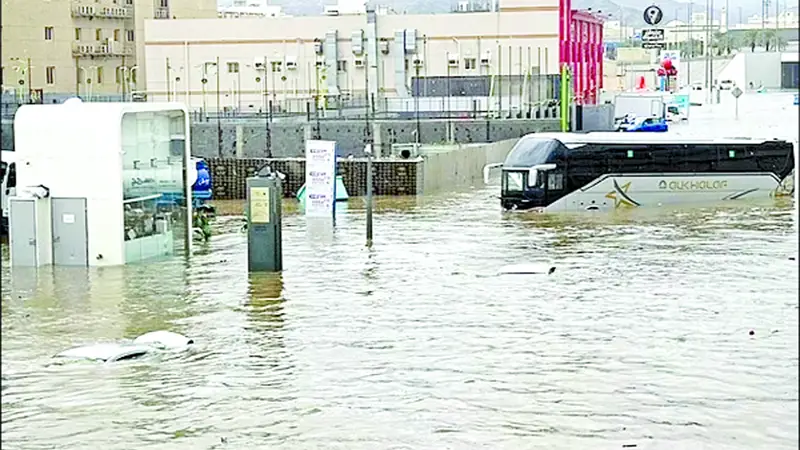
point(77, 34)
point(470, 63)
point(164, 3)
point(129, 35)
point(116, 35)
point(99, 75)
point(341, 66)
point(50, 75)
point(128, 2)
point(48, 33)
point(233, 67)
point(277, 66)
point(98, 34)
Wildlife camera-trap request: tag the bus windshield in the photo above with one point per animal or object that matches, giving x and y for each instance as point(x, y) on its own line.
point(513, 181)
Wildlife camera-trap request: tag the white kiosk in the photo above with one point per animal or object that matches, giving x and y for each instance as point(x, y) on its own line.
point(100, 184)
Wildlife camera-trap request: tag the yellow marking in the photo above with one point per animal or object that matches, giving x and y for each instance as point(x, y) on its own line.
point(618, 199)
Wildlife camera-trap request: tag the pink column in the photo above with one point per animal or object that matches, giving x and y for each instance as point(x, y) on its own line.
point(600, 54)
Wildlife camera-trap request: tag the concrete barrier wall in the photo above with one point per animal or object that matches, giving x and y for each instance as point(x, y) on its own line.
point(248, 139)
point(449, 167)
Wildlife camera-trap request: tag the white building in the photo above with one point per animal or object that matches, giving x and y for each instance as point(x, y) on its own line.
point(295, 59)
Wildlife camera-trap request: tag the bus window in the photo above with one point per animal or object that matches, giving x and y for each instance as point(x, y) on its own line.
point(555, 181)
point(513, 181)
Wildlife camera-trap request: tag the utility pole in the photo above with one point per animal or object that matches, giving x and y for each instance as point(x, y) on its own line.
point(219, 109)
point(711, 52)
point(691, 46)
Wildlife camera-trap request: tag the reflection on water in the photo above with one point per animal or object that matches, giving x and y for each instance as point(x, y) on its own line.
point(640, 337)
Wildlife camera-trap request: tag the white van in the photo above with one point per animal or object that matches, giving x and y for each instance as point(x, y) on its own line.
point(8, 174)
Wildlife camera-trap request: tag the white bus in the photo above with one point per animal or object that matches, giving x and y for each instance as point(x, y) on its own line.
point(556, 172)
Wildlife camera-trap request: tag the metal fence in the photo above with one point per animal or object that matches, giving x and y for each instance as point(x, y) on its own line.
point(507, 97)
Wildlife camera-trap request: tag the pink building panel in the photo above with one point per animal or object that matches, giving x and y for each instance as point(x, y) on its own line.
point(581, 49)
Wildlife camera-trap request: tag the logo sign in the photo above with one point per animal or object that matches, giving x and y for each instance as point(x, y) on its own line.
point(653, 15)
point(320, 178)
point(654, 45)
point(736, 92)
point(701, 185)
point(653, 34)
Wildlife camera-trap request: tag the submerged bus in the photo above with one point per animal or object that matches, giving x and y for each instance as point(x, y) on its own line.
point(557, 172)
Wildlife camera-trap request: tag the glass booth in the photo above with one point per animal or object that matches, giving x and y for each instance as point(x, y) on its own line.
point(153, 181)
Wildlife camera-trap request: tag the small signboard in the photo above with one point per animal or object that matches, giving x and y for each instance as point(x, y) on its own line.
point(653, 45)
point(736, 92)
point(653, 35)
point(320, 178)
point(653, 15)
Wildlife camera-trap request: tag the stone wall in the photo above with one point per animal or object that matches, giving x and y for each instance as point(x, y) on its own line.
point(390, 177)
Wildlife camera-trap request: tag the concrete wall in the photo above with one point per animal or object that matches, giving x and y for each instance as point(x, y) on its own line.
point(598, 117)
point(763, 69)
point(447, 167)
point(248, 139)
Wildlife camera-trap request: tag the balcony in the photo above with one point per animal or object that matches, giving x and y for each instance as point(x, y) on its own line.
point(102, 49)
point(79, 49)
point(101, 12)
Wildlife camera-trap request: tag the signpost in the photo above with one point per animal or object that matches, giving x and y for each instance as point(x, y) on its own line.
point(736, 92)
point(653, 38)
point(320, 178)
point(653, 35)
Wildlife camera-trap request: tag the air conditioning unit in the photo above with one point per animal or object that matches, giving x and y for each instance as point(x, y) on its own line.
point(405, 151)
point(384, 46)
point(358, 63)
point(417, 62)
point(452, 60)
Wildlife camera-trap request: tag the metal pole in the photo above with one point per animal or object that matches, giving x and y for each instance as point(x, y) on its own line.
point(711, 54)
point(510, 82)
point(166, 70)
point(736, 108)
point(30, 86)
point(691, 47)
point(219, 123)
point(449, 94)
point(416, 104)
point(369, 195)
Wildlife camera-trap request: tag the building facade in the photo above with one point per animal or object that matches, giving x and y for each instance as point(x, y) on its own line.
point(85, 47)
point(244, 64)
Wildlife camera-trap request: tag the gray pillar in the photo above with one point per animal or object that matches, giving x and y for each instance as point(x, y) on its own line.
point(263, 210)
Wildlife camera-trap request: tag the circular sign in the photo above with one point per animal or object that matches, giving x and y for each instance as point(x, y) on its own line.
point(653, 15)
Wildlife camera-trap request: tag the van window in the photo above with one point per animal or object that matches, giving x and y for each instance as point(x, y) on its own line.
point(12, 176)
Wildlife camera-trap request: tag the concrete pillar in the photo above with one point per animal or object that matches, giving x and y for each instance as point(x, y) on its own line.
point(239, 141)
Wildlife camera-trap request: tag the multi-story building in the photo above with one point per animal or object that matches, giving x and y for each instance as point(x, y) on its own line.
point(242, 64)
point(85, 47)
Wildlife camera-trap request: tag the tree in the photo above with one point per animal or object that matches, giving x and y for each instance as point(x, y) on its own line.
point(768, 37)
point(723, 43)
point(752, 37)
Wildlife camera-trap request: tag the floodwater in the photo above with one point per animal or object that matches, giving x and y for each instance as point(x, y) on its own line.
point(642, 336)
